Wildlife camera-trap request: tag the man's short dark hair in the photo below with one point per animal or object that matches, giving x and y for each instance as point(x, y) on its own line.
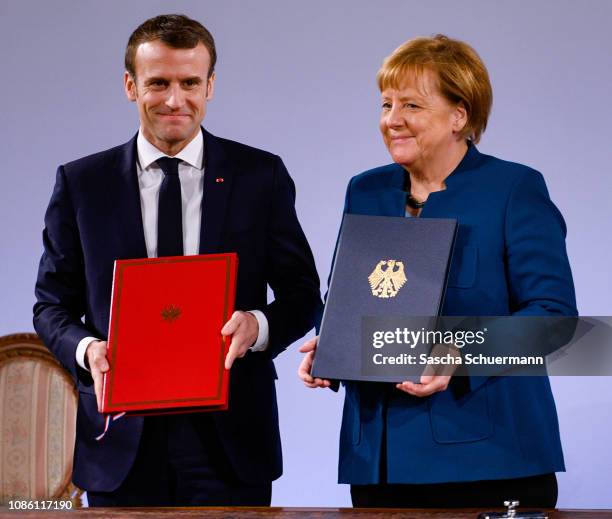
point(175, 30)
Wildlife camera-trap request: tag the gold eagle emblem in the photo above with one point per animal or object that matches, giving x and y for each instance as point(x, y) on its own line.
point(387, 278)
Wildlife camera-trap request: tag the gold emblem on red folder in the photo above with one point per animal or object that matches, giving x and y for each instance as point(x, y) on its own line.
point(170, 313)
point(387, 278)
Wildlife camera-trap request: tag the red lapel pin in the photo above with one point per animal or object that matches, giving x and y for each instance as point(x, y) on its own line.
point(219, 180)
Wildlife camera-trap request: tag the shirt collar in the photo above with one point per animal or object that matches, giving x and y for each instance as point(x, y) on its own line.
point(192, 154)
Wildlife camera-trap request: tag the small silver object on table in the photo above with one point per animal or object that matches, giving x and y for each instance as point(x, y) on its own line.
point(512, 513)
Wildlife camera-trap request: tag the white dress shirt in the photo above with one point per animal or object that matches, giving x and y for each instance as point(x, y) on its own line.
point(191, 175)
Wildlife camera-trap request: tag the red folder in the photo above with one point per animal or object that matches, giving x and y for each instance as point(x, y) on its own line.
point(165, 347)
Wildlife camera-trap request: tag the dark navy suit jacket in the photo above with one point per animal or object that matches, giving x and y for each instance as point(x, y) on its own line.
point(510, 259)
point(94, 217)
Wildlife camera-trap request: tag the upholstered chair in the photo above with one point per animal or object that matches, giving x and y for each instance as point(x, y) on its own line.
point(38, 405)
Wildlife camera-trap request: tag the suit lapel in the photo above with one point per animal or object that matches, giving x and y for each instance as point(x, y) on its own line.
point(218, 176)
point(393, 196)
point(127, 202)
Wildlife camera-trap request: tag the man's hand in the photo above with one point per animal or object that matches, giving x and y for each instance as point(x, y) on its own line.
point(244, 329)
point(435, 377)
point(98, 365)
point(309, 348)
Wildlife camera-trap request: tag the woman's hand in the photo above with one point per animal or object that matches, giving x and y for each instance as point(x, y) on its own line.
point(429, 385)
point(309, 348)
point(435, 377)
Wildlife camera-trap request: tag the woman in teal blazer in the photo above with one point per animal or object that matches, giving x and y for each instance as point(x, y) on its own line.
point(457, 441)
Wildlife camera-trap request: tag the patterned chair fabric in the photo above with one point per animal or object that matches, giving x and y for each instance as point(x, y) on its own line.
point(38, 404)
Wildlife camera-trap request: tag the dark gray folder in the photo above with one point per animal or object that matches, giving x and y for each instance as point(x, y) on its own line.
point(385, 267)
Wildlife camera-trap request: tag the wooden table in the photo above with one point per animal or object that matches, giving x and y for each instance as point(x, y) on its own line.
point(277, 513)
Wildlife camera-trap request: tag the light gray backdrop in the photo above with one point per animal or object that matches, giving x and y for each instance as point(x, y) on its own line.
point(297, 78)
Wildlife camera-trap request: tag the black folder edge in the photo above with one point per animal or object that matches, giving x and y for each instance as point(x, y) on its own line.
point(331, 284)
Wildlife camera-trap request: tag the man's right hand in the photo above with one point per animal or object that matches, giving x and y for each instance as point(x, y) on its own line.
point(309, 348)
point(95, 354)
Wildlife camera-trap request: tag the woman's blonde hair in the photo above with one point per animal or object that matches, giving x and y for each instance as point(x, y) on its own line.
point(460, 74)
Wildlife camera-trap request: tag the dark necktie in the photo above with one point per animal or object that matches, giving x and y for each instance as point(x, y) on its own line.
point(170, 212)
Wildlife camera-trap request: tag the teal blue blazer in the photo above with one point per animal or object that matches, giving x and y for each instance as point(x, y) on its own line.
point(510, 259)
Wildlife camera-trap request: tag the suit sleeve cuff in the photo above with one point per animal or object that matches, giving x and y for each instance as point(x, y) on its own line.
point(81, 348)
point(261, 344)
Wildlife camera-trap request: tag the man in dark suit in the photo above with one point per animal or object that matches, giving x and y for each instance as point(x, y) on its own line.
point(176, 189)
